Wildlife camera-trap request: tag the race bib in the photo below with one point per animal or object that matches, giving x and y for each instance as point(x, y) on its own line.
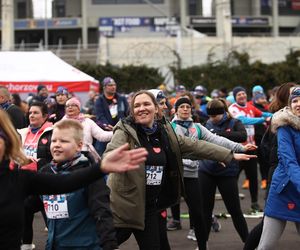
point(250, 130)
point(31, 151)
point(56, 206)
point(154, 175)
point(113, 108)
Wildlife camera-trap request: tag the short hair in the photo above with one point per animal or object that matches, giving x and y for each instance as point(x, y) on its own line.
point(5, 91)
point(43, 107)
point(71, 124)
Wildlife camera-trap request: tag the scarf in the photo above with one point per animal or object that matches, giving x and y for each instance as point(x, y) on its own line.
point(150, 131)
point(5, 105)
point(62, 166)
point(80, 117)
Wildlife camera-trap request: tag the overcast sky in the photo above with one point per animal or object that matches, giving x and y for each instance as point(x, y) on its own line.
point(39, 8)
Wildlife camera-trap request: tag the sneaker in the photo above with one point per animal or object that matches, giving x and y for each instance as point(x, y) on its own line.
point(174, 225)
point(263, 184)
point(215, 224)
point(191, 235)
point(242, 196)
point(246, 184)
point(255, 207)
point(27, 246)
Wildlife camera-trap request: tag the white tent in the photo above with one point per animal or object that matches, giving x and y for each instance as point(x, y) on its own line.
point(22, 72)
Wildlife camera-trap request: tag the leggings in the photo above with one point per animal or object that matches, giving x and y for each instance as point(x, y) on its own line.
point(254, 237)
point(272, 230)
point(250, 168)
point(32, 205)
point(194, 201)
point(228, 188)
point(147, 239)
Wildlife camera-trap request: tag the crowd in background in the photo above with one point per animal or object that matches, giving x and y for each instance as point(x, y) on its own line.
point(236, 119)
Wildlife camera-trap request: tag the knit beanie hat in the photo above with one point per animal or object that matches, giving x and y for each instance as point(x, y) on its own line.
point(258, 95)
point(236, 90)
point(74, 101)
point(62, 91)
point(40, 87)
point(158, 94)
point(257, 89)
point(295, 93)
point(107, 80)
point(180, 101)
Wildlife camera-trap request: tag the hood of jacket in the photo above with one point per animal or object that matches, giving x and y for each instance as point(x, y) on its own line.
point(285, 117)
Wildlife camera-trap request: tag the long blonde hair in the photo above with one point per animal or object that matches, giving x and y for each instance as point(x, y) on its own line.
point(13, 146)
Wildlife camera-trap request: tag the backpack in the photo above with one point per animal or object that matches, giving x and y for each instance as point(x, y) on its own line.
point(173, 124)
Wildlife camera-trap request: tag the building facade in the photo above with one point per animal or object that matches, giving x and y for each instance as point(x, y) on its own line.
point(86, 20)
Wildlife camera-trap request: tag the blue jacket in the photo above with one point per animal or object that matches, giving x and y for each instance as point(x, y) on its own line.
point(102, 109)
point(233, 130)
point(283, 200)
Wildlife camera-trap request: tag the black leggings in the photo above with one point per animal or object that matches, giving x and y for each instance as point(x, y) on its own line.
point(147, 239)
point(194, 200)
point(254, 237)
point(32, 205)
point(228, 188)
point(250, 168)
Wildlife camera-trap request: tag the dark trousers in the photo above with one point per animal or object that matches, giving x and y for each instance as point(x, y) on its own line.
point(147, 239)
point(163, 236)
point(194, 201)
point(254, 237)
point(176, 212)
point(228, 188)
point(32, 205)
point(250, 168)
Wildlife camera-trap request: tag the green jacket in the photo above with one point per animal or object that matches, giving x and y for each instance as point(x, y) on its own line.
point(128, 189)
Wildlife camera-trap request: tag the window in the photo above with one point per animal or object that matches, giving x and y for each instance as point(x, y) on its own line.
point(125, 1)
point(21, 10)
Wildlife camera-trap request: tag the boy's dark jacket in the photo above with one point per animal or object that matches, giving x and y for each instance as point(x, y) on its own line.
point(90, 223)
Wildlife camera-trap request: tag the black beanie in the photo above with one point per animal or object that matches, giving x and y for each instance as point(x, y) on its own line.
point(237, 90)
point(181, 101)
point(40, 87)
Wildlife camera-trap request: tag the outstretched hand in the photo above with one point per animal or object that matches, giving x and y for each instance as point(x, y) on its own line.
point(122, 159)
point(249, 147)
point(243, 157)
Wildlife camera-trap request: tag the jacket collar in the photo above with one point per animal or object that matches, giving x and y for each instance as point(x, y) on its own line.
point(285, 117)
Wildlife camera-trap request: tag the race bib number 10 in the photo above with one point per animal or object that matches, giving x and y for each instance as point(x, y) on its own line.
point(154, 175)
point(56, 206)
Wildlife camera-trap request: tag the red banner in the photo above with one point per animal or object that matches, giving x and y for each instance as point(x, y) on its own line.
point(31, 87)
point(295, 4)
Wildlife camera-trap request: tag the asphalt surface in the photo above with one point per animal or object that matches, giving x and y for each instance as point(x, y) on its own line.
point(227, 238)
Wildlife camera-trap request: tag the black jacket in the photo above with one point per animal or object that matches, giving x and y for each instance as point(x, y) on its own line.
point(16, 116)
point(16, 185)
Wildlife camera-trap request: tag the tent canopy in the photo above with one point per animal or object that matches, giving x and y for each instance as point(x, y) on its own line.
point(22, 72)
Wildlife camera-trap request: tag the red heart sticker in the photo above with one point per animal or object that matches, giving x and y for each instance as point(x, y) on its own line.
point(44, 141)
point(291, 206)
point(156, 150)
point(192, 130)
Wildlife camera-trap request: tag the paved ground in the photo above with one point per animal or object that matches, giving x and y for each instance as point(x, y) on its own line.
point(227, 238)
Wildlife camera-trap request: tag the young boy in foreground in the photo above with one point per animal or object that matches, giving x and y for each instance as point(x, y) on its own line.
point(81, 219)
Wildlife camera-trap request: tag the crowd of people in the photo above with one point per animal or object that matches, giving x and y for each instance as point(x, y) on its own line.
point(157, 148)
